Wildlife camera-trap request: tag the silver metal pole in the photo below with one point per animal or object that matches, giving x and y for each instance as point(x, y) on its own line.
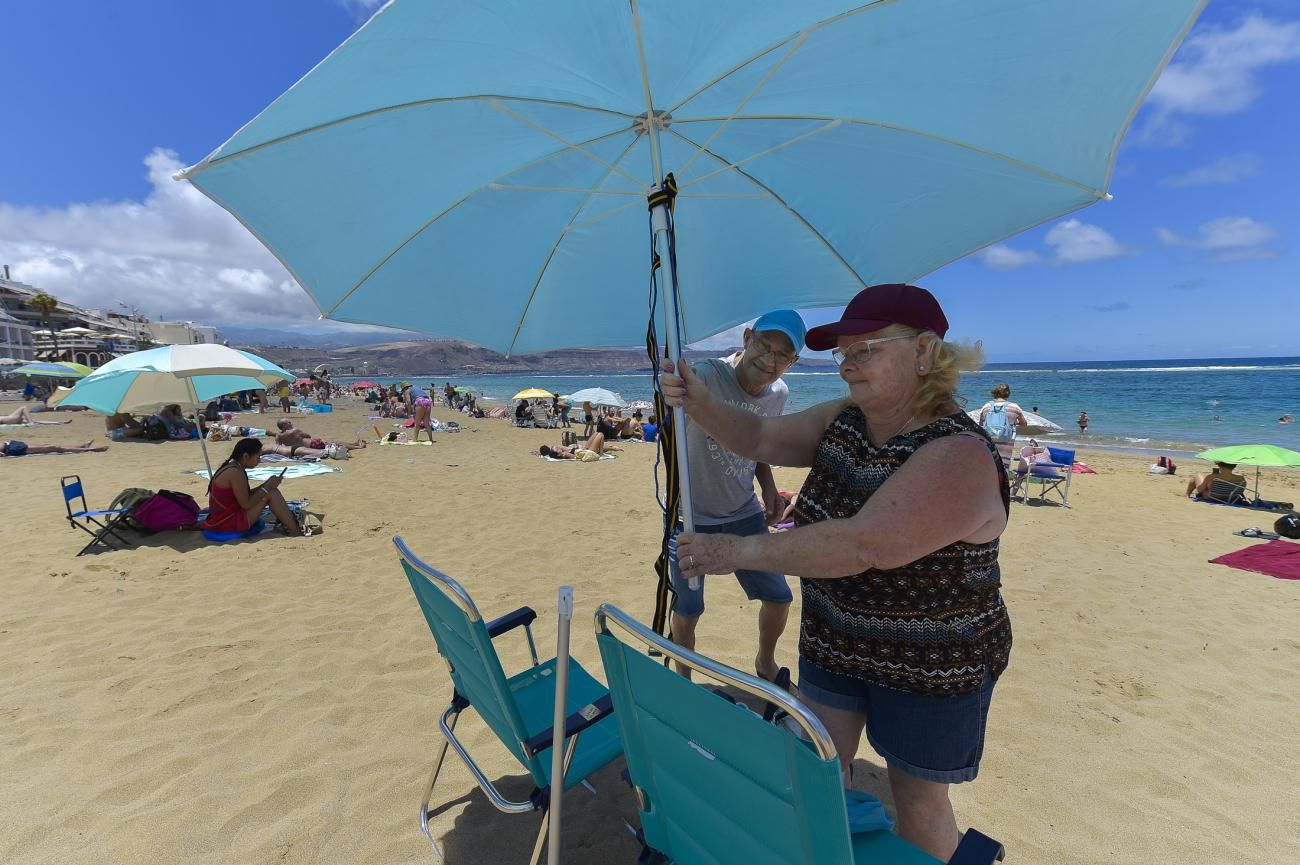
point(672, 304)
point(203, 440)
point(564, 614)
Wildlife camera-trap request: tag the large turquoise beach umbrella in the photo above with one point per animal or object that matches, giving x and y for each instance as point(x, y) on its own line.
point(480, 169)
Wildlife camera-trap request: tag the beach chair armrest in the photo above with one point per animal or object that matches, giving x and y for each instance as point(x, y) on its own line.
point(976, 848)
point(523, 616)
point(573, 725)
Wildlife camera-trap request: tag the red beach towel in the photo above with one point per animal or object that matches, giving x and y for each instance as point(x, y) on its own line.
point(1082, 469)
point(1279, 559)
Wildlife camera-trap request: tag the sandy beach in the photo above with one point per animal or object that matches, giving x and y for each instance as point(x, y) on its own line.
point(275, 700)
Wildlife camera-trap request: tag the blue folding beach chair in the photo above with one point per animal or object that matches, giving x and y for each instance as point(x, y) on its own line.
point(718, 785)
point(1051, 477)
point(518, 709)
point(105, 522)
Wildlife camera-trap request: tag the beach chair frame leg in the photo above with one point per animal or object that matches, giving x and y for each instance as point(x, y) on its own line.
point(489, 789)
point(428, 791)
point(100, 536)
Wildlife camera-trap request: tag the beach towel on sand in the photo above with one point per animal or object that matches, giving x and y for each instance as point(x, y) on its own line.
point(299, 470)
point(580, 460)
point(387, 442)
point(1279, 559)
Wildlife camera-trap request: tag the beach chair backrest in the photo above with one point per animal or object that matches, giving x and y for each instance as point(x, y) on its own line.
point(1226, 491)
point(72, 489)
point(1062, 456)
point(715, 782)
point(464, 644)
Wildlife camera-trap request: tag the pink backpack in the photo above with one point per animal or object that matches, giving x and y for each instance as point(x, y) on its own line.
point(166, 511)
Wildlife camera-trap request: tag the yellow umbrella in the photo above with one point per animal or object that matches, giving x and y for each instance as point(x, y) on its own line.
point(79, 368)
point(533, 393)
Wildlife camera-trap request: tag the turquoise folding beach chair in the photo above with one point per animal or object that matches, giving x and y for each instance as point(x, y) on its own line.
point(518, 709)
point(718, 785)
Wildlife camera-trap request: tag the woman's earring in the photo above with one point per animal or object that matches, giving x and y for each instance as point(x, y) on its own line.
point(921, 368)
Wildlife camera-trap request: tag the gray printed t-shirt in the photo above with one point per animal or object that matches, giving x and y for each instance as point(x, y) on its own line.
point(722, 483)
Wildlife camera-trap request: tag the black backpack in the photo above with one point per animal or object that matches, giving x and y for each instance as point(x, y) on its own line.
point(154, 428)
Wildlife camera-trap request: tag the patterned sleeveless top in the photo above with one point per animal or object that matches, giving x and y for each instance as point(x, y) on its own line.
point(934, 626)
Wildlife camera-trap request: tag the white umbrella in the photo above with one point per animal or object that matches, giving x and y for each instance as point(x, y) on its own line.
point(1037, 424)
point(596, 396)
point(182, 374)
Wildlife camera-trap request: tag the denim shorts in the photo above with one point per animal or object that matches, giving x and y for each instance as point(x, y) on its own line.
point(758, 585)
point(938, 739)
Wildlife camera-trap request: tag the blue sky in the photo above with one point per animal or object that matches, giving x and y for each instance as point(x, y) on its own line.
point(1196, 256)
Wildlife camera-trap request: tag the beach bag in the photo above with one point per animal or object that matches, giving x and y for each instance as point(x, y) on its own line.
point(154, 429)
point(1163, 466)
point(129, 498)
point(337, 452)
point(998, 424)
point(166, 511)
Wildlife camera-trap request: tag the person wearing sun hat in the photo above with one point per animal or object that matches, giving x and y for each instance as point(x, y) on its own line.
point(904, 632)
point(722, 482)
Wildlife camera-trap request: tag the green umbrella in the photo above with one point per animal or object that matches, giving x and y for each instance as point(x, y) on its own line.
point(1253, 455)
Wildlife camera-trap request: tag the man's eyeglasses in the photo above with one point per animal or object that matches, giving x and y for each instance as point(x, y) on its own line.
point(859, 353)
point(780, 355)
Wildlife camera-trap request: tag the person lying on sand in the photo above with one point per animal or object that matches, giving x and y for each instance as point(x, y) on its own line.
point(292, 437)
point(587, 451)
point(15, 448)
point(123, 426)
point(23, 416)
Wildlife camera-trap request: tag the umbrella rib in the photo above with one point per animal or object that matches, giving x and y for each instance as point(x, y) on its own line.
point(495, 186)
point(733, 166)
point(559, 238)
point(328, 313)
point(578, 147)
point(974, 148)
point(187, 173)
point(798, 43)
point(775, 45)
point(794, 212)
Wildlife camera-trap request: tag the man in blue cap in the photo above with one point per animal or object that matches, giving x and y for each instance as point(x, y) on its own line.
point(722, 483)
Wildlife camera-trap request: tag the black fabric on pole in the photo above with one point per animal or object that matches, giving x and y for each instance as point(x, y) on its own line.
point(664, 594)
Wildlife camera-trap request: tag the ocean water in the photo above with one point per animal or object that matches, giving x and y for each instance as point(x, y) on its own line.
point(1163, 406)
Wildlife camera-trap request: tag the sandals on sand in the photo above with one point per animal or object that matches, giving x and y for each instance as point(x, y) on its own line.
point(1256, 532)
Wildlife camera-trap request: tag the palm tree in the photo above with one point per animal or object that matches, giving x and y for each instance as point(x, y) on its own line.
point(46, 304)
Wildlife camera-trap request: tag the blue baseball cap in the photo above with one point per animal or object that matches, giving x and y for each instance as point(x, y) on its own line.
point(785, 321)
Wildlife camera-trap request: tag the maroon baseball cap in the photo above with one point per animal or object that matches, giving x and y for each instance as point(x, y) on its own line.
point(878, 306)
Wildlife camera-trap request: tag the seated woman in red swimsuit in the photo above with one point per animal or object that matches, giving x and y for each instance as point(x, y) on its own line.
point(233, 506)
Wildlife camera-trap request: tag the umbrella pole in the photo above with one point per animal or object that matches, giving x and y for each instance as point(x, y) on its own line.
point(203, 442)
point(659, 224)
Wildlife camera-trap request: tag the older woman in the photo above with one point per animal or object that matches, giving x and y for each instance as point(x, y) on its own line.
point(904, 631)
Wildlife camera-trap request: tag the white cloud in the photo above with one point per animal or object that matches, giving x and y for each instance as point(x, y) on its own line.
point(1075, 242)
point(1225, 169)
point(1001, 257)
point(1229, 238)
point(176, 255)
point(1216, 73)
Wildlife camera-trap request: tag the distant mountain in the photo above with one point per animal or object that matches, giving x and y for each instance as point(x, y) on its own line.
point(447, 356)
point(264, 336)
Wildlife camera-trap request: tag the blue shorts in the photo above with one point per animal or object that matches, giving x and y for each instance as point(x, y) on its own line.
point(758, 585)
point(938, 739)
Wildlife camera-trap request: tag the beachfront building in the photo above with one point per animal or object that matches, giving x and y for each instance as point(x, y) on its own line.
point(15, 338)
point(87, 336)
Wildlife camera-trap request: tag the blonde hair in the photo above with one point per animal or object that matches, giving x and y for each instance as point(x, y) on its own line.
point(944, 362)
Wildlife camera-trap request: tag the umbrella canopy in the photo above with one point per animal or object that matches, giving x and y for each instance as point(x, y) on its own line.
point(533, 393)
point(1036, 424)
point(463, 389)
point(818, 147)
point(11, 361)
point(80, 331)
point(181, 374)
point(1253, 455)
point(362, 385)
point(172, 374)
point(61, 369)
point(596, 396)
